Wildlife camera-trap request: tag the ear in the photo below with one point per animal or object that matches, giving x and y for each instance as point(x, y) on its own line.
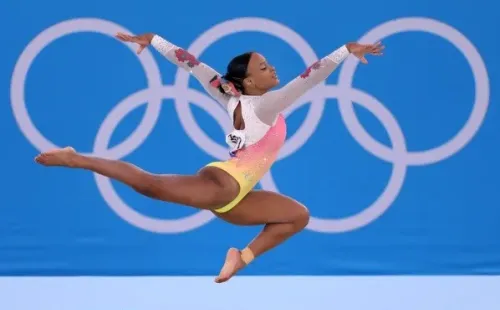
point(248, 81)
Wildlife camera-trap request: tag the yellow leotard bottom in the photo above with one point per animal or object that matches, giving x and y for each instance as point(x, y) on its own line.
point(245, 185)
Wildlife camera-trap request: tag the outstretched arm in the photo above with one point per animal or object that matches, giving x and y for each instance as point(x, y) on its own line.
point(182, 58)
point(275, 102)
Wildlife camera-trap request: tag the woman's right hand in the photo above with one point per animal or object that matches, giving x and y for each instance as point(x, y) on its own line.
point(143, 40)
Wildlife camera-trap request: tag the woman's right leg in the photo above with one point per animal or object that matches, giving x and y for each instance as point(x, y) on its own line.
point(209, 189)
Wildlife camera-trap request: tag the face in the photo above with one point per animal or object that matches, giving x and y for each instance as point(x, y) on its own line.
point(260, 74)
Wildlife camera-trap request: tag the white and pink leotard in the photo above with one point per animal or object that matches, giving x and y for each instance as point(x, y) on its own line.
point(254, 148)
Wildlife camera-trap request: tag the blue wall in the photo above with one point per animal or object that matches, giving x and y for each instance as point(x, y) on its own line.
point(402, 181)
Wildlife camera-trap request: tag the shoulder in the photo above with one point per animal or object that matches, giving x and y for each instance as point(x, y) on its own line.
point(251, 100)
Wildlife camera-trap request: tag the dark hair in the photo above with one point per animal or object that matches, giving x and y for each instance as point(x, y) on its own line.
point(237, 71)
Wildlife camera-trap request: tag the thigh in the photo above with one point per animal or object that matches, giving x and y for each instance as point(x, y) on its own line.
point(263, 207)
point(209, 189)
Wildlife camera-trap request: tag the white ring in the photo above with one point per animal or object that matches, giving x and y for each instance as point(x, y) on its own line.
point(480, 104)
point(384, 201)
point(53, 33)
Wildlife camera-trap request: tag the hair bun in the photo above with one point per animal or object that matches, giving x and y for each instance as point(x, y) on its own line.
point(225, 86)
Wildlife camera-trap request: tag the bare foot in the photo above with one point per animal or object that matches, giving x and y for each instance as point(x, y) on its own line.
point(60, 157)
point(232, 265)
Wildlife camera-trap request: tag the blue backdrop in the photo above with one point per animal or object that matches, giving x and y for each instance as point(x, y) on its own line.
point(402, 181)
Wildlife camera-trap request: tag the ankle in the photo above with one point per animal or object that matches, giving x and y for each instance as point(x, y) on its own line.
point(77, 161)
point(247, 255)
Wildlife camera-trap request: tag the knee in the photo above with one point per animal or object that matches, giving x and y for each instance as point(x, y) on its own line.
point(148, 188)
point(302, 217)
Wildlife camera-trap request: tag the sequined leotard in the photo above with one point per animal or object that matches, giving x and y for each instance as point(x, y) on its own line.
point(255, 148)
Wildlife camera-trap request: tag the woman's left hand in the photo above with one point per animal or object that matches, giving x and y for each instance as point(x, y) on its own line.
point(360, 50)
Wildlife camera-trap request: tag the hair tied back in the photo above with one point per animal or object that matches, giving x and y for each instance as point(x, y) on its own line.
point(224, 86)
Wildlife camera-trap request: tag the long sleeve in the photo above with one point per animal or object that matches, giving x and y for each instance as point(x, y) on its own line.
point(182, 58)
point(274, 102)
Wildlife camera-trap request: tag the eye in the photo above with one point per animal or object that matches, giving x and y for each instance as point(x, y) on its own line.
point(265, 66)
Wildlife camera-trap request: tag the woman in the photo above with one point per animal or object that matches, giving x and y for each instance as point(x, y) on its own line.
point(226, 188)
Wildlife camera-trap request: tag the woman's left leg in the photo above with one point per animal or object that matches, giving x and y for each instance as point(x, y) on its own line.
point(282, 216)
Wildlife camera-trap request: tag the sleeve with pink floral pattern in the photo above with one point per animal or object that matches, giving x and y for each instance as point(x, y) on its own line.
point(275, 102)
point(182, 58)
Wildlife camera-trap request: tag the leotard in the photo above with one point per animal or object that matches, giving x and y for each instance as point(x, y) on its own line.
point(255, 148)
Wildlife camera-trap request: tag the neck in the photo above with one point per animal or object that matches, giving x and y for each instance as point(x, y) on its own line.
point(255, 92)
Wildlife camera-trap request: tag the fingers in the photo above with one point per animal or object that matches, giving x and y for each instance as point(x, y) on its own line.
point(129, 38)
point(369, 49)
point(376, 49)
point(140, 49)
point(125, 37)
